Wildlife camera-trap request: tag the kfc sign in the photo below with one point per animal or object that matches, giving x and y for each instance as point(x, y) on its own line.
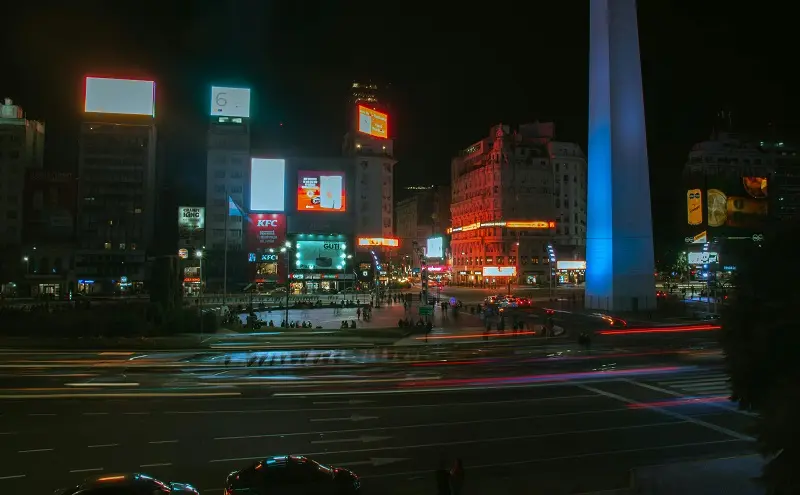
point(265, 231)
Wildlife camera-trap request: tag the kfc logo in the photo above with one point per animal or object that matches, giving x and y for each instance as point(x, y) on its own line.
point(267, 223)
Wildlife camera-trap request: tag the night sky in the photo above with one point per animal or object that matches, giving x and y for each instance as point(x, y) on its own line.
point(454, 73)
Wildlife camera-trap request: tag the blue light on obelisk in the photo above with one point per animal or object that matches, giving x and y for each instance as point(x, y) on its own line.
point(619, 239)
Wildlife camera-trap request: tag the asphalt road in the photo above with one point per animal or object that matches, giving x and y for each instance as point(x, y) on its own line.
point(533, 425)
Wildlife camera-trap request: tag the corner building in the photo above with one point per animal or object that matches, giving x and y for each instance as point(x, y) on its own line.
point(517, 196)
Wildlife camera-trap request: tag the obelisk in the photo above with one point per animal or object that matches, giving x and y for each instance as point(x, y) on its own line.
point(619, 238)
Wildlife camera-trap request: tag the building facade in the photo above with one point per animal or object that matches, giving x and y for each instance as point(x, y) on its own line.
point(21, 149)
point(424, 214)
point(512, 210)
point(116, 201)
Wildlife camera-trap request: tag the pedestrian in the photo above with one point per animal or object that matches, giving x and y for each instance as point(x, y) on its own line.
point(457, 477)
point(442, 479)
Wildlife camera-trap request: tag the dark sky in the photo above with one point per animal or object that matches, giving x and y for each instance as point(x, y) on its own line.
point(455, 72)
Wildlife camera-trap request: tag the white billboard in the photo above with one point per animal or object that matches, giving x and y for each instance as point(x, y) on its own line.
point(230, 102)
point(435, 247)
point(321, 255)
point(120, 96)
point(191, 220)
point(267, 185)
point(499, 271)
point(703, 258)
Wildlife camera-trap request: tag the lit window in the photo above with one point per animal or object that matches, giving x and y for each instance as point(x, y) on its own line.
point(133, 246)
point(122, 246)
point(107, 245)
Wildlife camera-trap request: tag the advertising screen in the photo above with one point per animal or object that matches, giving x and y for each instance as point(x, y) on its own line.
point(570, 265)
point(694, 206)
point(373, 122)
point(499, 271)
point(320, 255)
point(378, 241)
point(230, 102)
point(191, 220)
point(435, 247)
point(321, 191)
point(265, 231)
point(703, 258)
point(49, 205)
point(119, 96)
point(267, 184)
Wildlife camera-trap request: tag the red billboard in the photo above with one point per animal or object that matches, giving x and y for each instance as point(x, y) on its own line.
point(265, 231)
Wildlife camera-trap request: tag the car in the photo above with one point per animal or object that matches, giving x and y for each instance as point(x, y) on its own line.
point(127, 484)
point(661, 294)
point(290, 475)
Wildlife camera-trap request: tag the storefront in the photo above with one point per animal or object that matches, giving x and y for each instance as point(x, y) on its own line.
point(192, 281)
point(322, 264)
point(571, 272)
point(320, 283)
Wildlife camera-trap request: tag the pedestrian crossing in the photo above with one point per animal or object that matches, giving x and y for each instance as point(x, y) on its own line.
point(707, 383)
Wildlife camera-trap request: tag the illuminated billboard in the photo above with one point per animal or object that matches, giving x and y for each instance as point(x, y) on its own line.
point(320, 255)
point(373, 122)
point(378, 241)
point(703, 258)
point(321, 191)
point(435, 247)
point(265, 231)
point(570, 265)
point(230, 102)
point(119, 96)
point(191, 220)
point(267, 184)
point(499, 271)
point(694, 206)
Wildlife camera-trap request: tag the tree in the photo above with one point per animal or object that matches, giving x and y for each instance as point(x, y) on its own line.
point(681, 266)
point(761, 340)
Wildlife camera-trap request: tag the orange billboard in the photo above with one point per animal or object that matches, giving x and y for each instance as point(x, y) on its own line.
point(321, 191)
point(378, 241)
point(373, 122)
point(694, 206)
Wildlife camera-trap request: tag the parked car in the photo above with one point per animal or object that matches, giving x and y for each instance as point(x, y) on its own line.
point(291, 475)
point(127, 484)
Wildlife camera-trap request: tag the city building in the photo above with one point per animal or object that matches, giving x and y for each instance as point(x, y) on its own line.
point(736, 188)
point(21, 149)
point(116, 186)
point(49, 211)
point(227, 175)
point(518, 203)
point(424, 214)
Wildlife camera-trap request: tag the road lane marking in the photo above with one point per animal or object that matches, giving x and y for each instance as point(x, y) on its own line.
point(467, 442)
point(136, 413)
point(433, 425)
point(103, 384)
point(354, 418)
point(561, 458)
point(102, 445)
point(8, 432)
point(119, 395)
point(430, 390)
point(42, 414)
point(87, 470)
point(673, 393)
point(95, 414)
point(163, 441)
point(393, 407)
point(12, 477)
point(673, 414)
point(34, 450)
point(158, 464)
point(362, 439)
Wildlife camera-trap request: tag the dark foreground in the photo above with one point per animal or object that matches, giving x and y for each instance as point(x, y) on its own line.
point(583, 434)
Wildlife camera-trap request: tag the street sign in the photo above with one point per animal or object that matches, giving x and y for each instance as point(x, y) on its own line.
point(426, 310)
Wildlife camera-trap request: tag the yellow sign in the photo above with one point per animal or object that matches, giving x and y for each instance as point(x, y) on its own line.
point(694, 206)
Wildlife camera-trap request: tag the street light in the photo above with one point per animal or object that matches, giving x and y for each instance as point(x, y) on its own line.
point(285, 249)
point(199, 255)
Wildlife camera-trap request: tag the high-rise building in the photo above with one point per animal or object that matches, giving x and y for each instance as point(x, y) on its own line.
point(227, 174)
point(116, 184)
point(518, 203)
point(21, 149)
